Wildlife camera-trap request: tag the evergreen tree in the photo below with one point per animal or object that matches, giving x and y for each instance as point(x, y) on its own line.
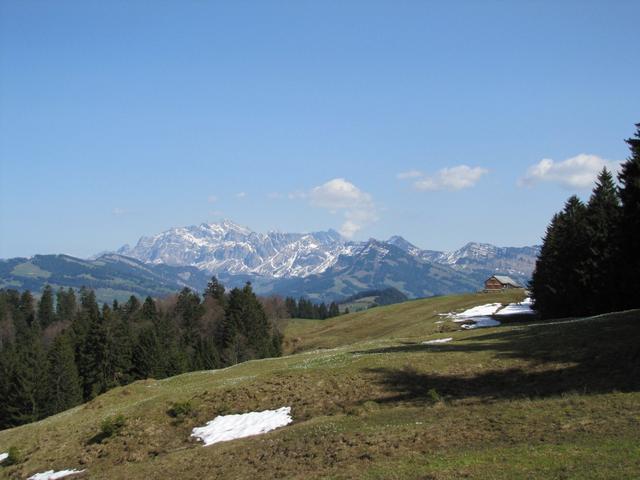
point(292, 307)
point(255, 325)
point(544, 284)
point(559, 284)
point(65, 304)
point(26, 307)
point(63, 383)
point(215, 290)
point(7, 364)
point(132, 306)
point(190, 310)
point(119, 347)
point(148, 359)
point(629, 254)
point(26, 393)
point(46, 314)
point(334, 311)
point(149, 311)
point(205, 356)
point(603, 211)
point(174, 356)
point(93, 362)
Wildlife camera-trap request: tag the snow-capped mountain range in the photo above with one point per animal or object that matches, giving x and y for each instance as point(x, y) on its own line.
point(230, 249)
point(322, 266)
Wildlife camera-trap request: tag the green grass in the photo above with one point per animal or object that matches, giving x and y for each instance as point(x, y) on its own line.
point(29, 270)
point(528, 399)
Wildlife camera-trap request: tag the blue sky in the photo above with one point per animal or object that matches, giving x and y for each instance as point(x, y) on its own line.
point(431, 120)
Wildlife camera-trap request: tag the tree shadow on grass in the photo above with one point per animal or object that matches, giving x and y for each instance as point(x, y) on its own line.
point(598, 356)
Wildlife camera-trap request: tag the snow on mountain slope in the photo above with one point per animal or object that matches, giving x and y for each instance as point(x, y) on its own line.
point(229, 248)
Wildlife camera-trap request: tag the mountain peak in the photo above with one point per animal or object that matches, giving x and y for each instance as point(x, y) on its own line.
point(227, 248)
point(402, 243)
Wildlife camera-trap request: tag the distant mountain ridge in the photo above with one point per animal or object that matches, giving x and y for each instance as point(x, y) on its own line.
point(228, 248)
point(112, 276)
point(322, 266)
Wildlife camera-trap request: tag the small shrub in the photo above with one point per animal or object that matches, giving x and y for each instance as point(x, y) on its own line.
point(109, 427)
point(112, 425)
point(180, 409)
point(434, 396)
point(14, 457)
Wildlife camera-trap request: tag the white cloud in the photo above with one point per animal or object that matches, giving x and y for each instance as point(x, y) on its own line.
point(297, 194)
point(212, 199)
point(240, 195)
point(409, 174)
point(340, 195)
point(575, 172)
point(454, 178)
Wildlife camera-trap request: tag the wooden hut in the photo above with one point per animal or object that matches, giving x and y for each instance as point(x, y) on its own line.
point(500, 282)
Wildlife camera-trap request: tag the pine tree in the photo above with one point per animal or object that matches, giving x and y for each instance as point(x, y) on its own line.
point(545, 282)
point(93, 362)
point(560, 280)
point(334, 311)
point(119, 347)
point(227, 336)
point(26, 307)
point(216, 290)
point(205, 356)
point(629, 254)
point(8, 359)
point(149, 311)
point(26, 393)
point(131, 307)
point(174, 357)
point(63, 383)
point(65, 304)
point(148, 355)
point(190, 310)
point(292, 307)
point(603, 211)
point(46, 314)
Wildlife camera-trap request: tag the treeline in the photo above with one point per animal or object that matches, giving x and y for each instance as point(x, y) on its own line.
point(57, 354)
point(304, 308)
point(387, 296)
point(590, 258)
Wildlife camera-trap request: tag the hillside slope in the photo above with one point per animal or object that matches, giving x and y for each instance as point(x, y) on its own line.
point(523, 400)
point(112, 276)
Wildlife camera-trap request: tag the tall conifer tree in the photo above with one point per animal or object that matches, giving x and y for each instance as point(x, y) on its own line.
point(603, 211)
point(46, 313)
point(63, 383)
point(629, 255)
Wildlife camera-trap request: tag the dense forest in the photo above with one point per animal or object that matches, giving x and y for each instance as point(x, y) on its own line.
point(590, 258)
point(65, 349)
point(304, 308)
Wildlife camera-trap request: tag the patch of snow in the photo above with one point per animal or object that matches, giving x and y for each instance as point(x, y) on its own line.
point(479, 311)
point(522, 308)
point(481, 322)
point(229, 427)
point(3, 457)
point(51, 475)
point(437, 341)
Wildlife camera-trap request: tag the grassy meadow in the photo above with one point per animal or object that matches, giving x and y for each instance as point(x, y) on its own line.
point(527, 399)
